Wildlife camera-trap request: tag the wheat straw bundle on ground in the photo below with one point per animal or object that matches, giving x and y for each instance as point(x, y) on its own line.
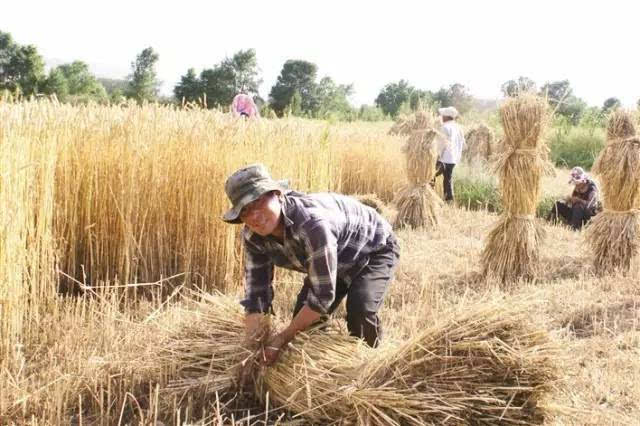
point(487, 365)
point(478, 143)
point(511, 251)
point(484, 366)
point(208, 354)
point(418, 204)
point(614, 234)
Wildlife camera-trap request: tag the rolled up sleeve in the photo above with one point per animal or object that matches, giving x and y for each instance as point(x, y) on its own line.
point(322, 248)
point(258, 274)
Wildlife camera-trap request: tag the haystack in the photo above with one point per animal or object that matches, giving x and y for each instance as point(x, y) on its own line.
point(406, 124)
point(487, 365)
point(614, 234)
point(418, 204)
point(479, 142)
point(511, 251)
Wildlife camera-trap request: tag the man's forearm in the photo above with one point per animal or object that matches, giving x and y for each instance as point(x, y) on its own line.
point(300, 322)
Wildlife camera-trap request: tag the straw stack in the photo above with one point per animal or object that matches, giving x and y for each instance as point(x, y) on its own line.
point(418, 204)
point(511, 251)
point(614, 234)
point(486, 365)
point(407, 124)
point(479, 142)
point(208, 355)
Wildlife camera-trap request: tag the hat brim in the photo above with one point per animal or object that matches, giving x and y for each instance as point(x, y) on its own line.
point(233, 214)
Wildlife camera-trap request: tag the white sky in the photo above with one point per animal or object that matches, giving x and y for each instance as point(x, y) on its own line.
point(480, 44)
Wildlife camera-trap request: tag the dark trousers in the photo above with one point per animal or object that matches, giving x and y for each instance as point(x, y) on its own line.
point(575, 216)
point(364, 295)
point(446, 170)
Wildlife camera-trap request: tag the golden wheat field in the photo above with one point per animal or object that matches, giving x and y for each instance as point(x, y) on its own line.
point(110, 228)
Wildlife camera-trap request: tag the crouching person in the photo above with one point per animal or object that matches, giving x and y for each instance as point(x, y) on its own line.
point(581, 206)
point(345, 248)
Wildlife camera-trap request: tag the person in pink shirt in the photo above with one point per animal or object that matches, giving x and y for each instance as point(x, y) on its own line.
point(243, 106)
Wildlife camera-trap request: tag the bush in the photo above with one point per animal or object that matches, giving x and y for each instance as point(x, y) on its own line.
point(578, 146)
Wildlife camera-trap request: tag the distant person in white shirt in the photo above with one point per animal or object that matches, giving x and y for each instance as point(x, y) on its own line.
point(451, 143)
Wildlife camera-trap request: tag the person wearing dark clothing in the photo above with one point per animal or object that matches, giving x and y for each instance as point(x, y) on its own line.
point(581, 206)
point(446, 170)
point(346, 249)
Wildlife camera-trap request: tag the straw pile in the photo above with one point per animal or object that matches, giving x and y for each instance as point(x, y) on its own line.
point(478, 143)
point(407, 124)
point(484, 366)
point(418, 204)
point(209, 354)
point(614, 234)
point(511, 251)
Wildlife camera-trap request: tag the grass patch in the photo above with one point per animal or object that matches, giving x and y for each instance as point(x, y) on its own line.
point(476, 189)
point(576, 147)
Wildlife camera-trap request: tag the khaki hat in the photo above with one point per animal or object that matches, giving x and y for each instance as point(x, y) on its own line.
point(247, 185)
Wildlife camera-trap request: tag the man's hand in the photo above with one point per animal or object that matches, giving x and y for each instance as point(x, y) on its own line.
point(576, 201)
point(276, 343)
point(256, 326)
point(273, 347)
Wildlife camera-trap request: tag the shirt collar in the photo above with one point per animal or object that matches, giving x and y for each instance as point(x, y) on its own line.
point(286, 207)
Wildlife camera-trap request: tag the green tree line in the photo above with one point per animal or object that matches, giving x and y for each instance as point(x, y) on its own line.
point(299, 90)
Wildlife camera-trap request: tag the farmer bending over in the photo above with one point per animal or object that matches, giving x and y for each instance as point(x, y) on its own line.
point(345, 248)
point(243, 106)
point(581, 206)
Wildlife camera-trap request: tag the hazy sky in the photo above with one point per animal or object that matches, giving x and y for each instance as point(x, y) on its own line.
point(480, 44)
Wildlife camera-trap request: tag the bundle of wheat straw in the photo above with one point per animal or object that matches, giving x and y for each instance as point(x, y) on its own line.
point(614, 234)
point(208, 354)
point(407, 124)
point(478, 143)
point(486, 365)
point(418, 204)
point(512, 248)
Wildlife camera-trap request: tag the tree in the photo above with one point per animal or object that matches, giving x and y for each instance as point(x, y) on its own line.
point(115, 87)
point(611, 104)
point(238, 74)
point(189, 88)
point(56, 83)
point(561, 99)
point(21, 67)
point(218, 85)
point(296, 76)
point(143, 84)
point(456, 95)
point(333, 98)
point(245, 66)
point(511, 88)
point(392, 96)
point(420, 99)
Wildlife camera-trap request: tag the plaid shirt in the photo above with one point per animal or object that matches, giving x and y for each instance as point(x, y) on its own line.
point(327, 236)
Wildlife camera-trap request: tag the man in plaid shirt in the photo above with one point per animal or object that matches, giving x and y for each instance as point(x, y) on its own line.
point(346, 249)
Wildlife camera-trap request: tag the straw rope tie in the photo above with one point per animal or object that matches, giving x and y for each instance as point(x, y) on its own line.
point(521, 216)
point(527, 151)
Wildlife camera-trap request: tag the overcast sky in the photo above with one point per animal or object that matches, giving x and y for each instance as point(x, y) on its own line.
point(480, 44)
